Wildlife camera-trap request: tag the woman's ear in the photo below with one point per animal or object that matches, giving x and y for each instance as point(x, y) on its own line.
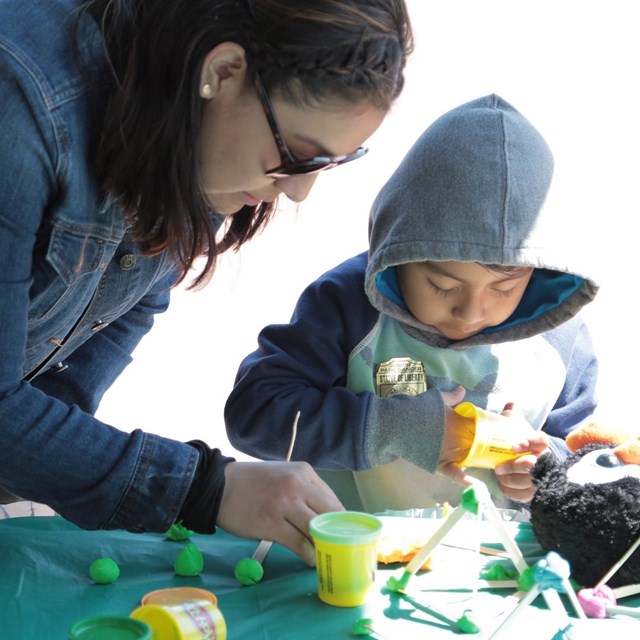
point(224, 68)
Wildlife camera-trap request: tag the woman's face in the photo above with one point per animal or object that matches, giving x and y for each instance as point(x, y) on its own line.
point(237, 146)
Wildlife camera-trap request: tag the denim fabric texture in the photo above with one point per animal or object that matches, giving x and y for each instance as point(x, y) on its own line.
point(76, 296)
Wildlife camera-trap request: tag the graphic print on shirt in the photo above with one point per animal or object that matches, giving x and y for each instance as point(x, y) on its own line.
point(400, 375)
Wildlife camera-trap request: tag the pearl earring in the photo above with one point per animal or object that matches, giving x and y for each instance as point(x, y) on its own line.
point(206, 91)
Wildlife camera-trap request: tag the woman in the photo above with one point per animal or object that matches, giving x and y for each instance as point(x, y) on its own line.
point(131, 130)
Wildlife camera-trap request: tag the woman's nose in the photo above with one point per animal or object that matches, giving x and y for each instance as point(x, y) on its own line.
point(297, 188)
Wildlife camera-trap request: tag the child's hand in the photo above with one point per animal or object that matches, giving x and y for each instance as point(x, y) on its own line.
point(451, 447)
point(514, 476)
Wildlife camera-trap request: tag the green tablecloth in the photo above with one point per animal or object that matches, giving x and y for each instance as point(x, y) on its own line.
point(45, 587)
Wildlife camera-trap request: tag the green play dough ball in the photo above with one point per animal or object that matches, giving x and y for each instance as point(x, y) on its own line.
point(104, 571)
point(248, 571)
point(189, 561)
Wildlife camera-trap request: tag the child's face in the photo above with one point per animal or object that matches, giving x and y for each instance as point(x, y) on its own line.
point(461, 299)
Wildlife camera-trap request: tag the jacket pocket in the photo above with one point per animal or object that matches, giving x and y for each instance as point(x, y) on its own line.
point(67, 274)
point(76, 250)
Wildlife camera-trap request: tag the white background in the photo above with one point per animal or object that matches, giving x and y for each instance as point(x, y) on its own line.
point(571, 67)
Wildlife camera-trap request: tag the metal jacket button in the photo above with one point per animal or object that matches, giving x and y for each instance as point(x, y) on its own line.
point(59, 367)
point(128, 261)
point(99, 325)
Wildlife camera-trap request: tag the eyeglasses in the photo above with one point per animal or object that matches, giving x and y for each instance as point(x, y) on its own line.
point(290, 166)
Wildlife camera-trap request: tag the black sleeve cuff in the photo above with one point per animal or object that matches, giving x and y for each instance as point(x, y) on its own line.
point(200, 510)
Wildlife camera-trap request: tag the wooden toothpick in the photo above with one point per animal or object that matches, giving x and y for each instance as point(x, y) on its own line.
point(607, 576)
point(263, 548)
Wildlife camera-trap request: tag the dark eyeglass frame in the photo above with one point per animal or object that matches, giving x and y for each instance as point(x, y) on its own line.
point(290, 165)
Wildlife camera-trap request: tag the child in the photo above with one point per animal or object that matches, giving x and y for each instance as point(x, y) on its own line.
point(459, 297)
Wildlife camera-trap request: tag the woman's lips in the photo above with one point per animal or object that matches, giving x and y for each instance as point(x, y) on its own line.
point(251, 200)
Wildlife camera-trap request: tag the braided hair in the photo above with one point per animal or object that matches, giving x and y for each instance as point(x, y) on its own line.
point(147, 152)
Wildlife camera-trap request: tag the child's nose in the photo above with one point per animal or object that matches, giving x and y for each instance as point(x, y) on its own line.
point(470, 310)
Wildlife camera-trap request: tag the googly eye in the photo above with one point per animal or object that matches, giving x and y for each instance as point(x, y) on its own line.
point(600, 466)
point(609, 460)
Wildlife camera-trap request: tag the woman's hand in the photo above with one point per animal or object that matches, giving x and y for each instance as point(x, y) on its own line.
point(275, 501)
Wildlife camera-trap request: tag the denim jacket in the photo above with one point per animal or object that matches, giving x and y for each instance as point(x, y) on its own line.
point(76, 296)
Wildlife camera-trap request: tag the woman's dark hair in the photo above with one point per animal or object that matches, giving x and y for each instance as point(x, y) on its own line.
point(147, 158)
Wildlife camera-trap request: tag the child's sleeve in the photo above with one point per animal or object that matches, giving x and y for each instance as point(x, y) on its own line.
point(578, 399)
point(302, 366)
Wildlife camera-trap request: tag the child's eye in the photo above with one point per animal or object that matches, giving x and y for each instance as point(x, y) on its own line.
point(439, 290)
point(505, 293)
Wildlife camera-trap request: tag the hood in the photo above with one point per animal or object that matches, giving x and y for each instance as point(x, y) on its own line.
point(474, 188)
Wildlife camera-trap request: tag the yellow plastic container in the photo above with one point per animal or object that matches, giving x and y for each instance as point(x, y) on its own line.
point(188, 620)
point(176, 595)
point(493, 437)
point(346, 556)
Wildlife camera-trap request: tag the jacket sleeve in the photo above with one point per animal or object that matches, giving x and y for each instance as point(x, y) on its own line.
point(57, 453)
point(302, 366)
point(52, 450)
point(578, 399)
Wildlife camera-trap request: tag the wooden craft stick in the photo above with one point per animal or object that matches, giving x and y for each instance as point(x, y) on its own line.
point(529, 597)
point(418, 560)
point(573, 599)
point(294, 433)
point(613, 610)
point(498, 584)
point(553, 602)
point(626, 591)
point(490, 551)
point(607, 576)
point(507, 541)
point(551, 598)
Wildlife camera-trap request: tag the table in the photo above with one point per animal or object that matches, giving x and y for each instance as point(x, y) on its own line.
point(45, 586)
